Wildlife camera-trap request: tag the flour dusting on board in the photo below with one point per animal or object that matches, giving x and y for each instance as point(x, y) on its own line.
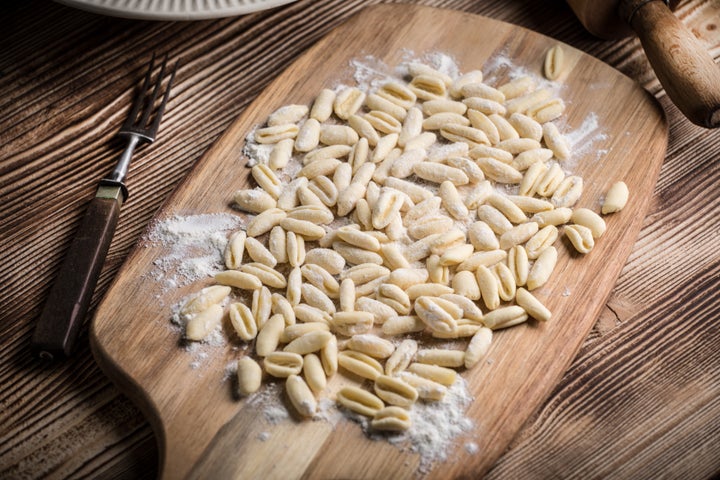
point(436, 426)
point(192, 247)
point(192, 251)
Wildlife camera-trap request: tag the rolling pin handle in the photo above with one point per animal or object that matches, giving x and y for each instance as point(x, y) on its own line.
point(683, 66)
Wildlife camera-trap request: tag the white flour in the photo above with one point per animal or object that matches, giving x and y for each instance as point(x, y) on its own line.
point(192, 247)
point(436, 425)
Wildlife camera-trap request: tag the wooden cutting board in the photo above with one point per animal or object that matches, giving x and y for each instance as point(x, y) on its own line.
point(205, 432)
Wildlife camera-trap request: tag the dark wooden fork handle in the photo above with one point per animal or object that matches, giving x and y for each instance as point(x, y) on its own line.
point(70, 296)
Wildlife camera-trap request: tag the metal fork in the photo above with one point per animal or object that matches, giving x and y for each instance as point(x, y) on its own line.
point(67, 304)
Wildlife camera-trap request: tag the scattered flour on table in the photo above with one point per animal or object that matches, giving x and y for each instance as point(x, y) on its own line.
point(255, 152)
point(269, 400)
point(193, 247)
point(582, 140)
point(435, 426)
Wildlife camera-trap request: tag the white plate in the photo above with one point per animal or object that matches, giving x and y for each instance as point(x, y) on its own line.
point(173, 9)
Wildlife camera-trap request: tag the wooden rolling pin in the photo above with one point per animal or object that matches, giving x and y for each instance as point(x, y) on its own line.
point(684, 67)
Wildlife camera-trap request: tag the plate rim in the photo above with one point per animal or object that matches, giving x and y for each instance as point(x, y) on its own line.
point(170, 10)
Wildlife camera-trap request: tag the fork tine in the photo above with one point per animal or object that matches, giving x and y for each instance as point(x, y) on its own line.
point(161, 108)
point(142, 123)
point(140, 98)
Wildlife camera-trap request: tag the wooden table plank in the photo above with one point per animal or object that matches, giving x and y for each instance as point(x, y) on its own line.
point(640, 400)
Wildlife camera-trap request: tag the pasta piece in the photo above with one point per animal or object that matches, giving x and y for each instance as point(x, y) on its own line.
point(242, 321)
point(378, 103)
point(328, 259)
point(259, 253)
point(267, 275)
point(241, 280)
point(359, 401)
point(532, 305)
point(266, 178)
point(499, 171)
point(269, 336)
point(275, 133)
point(249, 376)
point(542, 268)
point(481, 90)
point(505, 281)
point(474, 76)
point(307, 139)
point(364, 128)
point(264, 222)
point(322, 107)
point(300, 396)
point(555, 141)
point(283, 364)
point(518, 235)
point(308, 343)
point(554, 217)
point(478, 347)
point(394, 391)
point(391, 419)
point(371, 345)
point(281, 306)
point(451, 200)
point(554, 65)
point(347, 102)
point(489, 288)
point(543, 239)
point(441, 357)
point(254, 201)
point(314, 373)
point(400, 325)
point(487, 259)
point(568, 192)
point(591, 220)
point(428, 87)
point(581, 237)
point(442, 375)
point(383, 122)
point(277, 245)
point(281, 153)
point(526, 126)
point(202, 323)
point(432, 107)
point(287, 114)
point(505, 317)
point(234, 249)
point(616, 198)
point(329, 357)
point(360, 364)
point(438, 173)
point(399, 94)
point(438, 120)
point(517, 87)
point(547, 110)
point(461, 133)
point(352, 323)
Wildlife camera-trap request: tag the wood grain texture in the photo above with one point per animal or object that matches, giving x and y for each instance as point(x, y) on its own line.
point(200, 425)
point(649, 400)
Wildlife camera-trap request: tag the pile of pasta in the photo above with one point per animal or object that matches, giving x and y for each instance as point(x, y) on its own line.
point(397, 229)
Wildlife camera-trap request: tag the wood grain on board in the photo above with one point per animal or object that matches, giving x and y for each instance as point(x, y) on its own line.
point(641, 399)
point(203, 427)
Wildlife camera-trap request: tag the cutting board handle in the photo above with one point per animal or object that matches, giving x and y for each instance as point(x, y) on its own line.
point(684, 67)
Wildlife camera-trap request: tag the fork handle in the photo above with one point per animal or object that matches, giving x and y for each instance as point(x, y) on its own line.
point(67, 304)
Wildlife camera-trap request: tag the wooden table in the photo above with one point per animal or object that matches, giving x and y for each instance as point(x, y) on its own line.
point(642, 398)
